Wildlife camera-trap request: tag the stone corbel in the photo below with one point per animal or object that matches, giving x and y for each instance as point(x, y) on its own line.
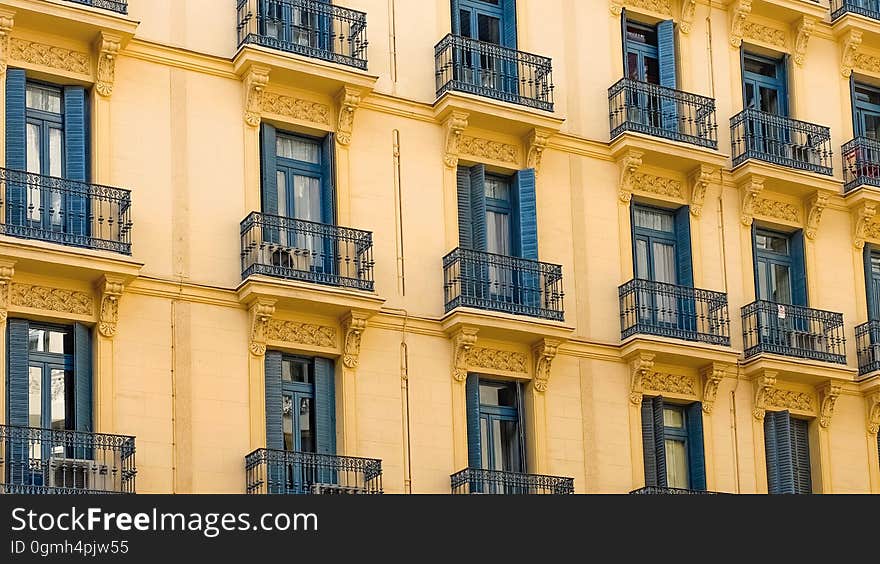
point(700, 180)
point(686, 21)
point(111, 293)
point(873, 412)
point(349, 99)
point(712, 376)
point(629, 165)
point(108, 46)
point(750, 192)
point(254, 86)
point(829, 392)
point(7, 271)
point(7, 20)
point(850, 48)
point(455, 125)
point(817, 205)
point(462, 343)
point(536, 142)
point(261, 312)
point(354, 325)
point(640, 366)
point(616, 7)
point(545, 351)
point(737, 20)
point(805, 29)
point(864, 215)
point(764, 382)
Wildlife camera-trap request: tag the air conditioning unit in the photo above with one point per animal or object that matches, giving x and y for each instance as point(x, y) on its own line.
point(75, 473)
point(293, 258)
point(334, 489)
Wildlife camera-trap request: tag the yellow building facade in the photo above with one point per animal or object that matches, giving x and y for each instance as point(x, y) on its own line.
point(456, 222)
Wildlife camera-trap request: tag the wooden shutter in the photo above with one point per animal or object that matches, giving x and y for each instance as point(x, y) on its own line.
point(771, 453)
point(798, 270)
point(872, 286)
point(800, 452)
point(666, 54)
point(508, 23)
point(328, 180)
point(472, 396)
point(755, 261)
point(82, 377)
point(526, 213)
point(274, 431)
point(269, 169)
point(696, 451)
point(654, 442)
point(778, 446)
point(659, 442)
point(76, 147)
point(857, 125)
point(16, 145)
point(623, 41)
point(465, 223)
point(17, 393)
point(478, 207)
point(325, 406)
point(683, 253)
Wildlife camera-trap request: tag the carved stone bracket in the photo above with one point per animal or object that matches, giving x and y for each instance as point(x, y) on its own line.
point(349, 99)
point(462, 342)
point(640, 367)
point(864, 215)
point(254, 86)
point(700, 180)
point(455, 125)
point(111, 293)
point(805, 29)
point(763, 385)
point(545, 351)
point(738, 18)
point(7, 271)
point(750, 192)
point(686, 20)
point(850, 48)
point(7, 20)
point(261, 313)
point(817, 205)
point(354, 325)
point(536, 143)
point(629, 165)
point(108, 47)
point(712, 377)
point(873, 412)
point(830, 392)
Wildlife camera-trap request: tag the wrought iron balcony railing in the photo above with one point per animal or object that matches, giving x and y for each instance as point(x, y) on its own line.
point(479, 481)
point(304, 250)
point(667, 310)
point(310, 28)
point(794, 331)
point(502, 283)
point(780, 140)
point(118, 6)
point(50, 461)
point(662, 112)
point(867, 8)
point(463, 64)
point(287, 472)
point(69, 212)
point(861, 163)
point(868, 347)
point(656, 490)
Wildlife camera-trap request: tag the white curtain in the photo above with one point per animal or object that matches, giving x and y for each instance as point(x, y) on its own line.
point(664, 271)
point(498, 242)
point(676, 464)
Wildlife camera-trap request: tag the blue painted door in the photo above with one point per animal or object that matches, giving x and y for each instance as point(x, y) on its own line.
point(295, 27)
point(866, 101)
point(45, 155)
point(778, 270)
point(493, 23)
point(642, 64)
point(501, 433)
point(499, 237)
point(872, 271)
point(765, 89)
point(675, 437)
point(298, 420)
point(655, 255)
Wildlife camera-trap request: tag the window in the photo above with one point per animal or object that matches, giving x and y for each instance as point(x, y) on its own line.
point(672, 438)
point(501, 440)
point(764, 84)
point(866, 110)
point(872, 281)
point(489, 21)
point(298, 399)
point(787, 446)
point(294, 25)
point(780, 276)
point(649, 56)
point(642, 58)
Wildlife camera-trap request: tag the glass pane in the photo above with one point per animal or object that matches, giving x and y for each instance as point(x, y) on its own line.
point(55, 155)
point(872, 126)
point(56, 341)
point(497, 446)
point(656, 220)
point(632, 66)
point(484, 442)
point(287, 421)
point(464, 17)
point(488, 29)
point(781, 284)
point(35, 396)
point(44, 99)
point(673, 418)
point(676, 464)
point(307, 198)
point(497, 189)
point(866, 95)
point(498, 394)
point(511, 460)
point(281, 183)
point(306, 425)
point(33, 149)
point(298, 149)
point(640, 34)
point(664, 263)
point(498, 233)
point(773, 243)
point(652, 70)
point(763, 283)
point(305, 27)
point(770, 100)
point(763, 68)
point(750, 96)
point(36, 340)
point(642, 270)
point(58, 400)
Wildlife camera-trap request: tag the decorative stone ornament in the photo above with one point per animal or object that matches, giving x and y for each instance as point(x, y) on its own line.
point(254, 87)
point(537, 141)
point(111, 292)
point(750, 192)
point(712, 377)
point(261, 312)
point(830, 393)
point(545, 351)
point(462, 342)
point(629, 165)
point(108, 50)
point(349, 99)
point(7, 271)
point(863, 219)
point(700, 180)
point(455, 125)
point(641, 366)
point(7, 20)
point(354, 324)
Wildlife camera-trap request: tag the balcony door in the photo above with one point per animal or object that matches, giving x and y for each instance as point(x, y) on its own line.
point(780, 278)
point(764, 85)
point(866, 111)
point(45, 154)
point(293, 24)
point(496, 439)
point(774, 267)
point(499, 236)
point(493, 23)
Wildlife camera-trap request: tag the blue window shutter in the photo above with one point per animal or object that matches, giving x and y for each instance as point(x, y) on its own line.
point(684, 260)
point(508, 31)
point(16, 144)
point(478, 207)
point(17, 373)
point(526, 212)
point(872, 286)
point(472, 402)
point(76, 157)
point(465, 222)
point(742, 72)
point(798, 270)
point(269, 169)
point(771, 450)
point(666, 54)
point(784, 65)
point(623, 40)
point(325, 406)
point(755, 261)
point(274, 431)
point(784, 456)
point(659, 441)
point(648, 448)
point(521, 424)
point(456, 20)
point(857, 125)
point(82, 377)
point(800, 450)
point(696, 452)
point(328, 180)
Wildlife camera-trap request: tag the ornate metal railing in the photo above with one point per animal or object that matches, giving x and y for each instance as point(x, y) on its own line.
point(311, 28)
point(69, 212)
point(304, 250)
point(662, 112)
point(466, 65)
point(868, 347)
point(780, 140)
point(49, 461)
point(502, 283)
point(286, 472)
point(861, 163)
point(479, 481)
point(657, 490)
point(795, 331)
point(667, 310)
point(118, 6)
point(867, 8)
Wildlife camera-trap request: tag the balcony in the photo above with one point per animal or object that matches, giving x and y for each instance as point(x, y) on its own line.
point(287, 472)
point(500, 283)
point(679, 312)
point(67, 212)
point(861, 164)
point(657, 490)
point(478, 481)
point(118, 6)
point(780, 141)
point(662, 112)
point(868, 347)
point(294, 249)
point(311, 28)
point(49, 461)
point(793, 331)
point(868, 8)
point(492, 71)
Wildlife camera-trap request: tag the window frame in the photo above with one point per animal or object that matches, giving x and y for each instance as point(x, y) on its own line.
point(678, 434)
point(490, 413)
point(297, 391)
point(765, 259)
point(778, 83)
